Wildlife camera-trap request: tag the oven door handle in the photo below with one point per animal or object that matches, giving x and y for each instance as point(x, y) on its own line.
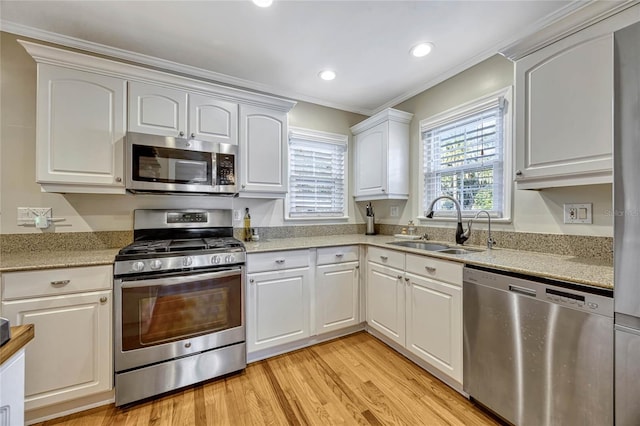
point(169, 281)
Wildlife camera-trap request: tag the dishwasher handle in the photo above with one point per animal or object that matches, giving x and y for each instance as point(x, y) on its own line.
point(523, 291)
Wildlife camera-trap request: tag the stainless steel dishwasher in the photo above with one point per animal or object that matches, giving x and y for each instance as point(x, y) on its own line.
point(536, 351)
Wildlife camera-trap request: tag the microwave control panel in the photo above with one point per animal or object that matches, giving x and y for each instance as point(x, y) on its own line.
point(225, 169)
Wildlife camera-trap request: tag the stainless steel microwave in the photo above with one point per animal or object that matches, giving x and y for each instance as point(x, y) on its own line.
point(175, 165)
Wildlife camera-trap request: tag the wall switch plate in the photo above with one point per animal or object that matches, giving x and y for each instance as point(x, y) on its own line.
point(41, 217)
point(237, 215)
point(578, 213)
point(395, 211)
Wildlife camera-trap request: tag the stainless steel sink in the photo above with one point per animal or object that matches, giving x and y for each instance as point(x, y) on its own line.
point(440, 248)
point(420, 245)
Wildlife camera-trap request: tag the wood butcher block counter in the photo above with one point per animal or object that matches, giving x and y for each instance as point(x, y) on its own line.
point(20, 336)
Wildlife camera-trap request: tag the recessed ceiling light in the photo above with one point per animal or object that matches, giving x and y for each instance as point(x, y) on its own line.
point(422, 49)
point(327, 75)
point(263, 3)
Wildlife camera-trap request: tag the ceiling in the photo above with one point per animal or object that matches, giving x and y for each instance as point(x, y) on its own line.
point(281, 49)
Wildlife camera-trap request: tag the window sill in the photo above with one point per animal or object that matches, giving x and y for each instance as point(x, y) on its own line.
point(317, 219)
point(424, 221)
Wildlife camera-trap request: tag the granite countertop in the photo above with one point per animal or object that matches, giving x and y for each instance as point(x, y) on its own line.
point(20, 336)
point(587, 271)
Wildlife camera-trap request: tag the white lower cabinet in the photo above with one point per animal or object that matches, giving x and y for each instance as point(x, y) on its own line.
point(337, 288)
point(416, 301)
point(71, 354)
point(278, 298)
point(12, 390)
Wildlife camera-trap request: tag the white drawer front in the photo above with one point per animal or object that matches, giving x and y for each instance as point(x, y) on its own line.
point(392, 258)
point(276, 260)
point(438, 269)
point(329, 255)
point(52, 282)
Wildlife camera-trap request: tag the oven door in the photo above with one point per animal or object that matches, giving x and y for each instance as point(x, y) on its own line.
point(161, 318)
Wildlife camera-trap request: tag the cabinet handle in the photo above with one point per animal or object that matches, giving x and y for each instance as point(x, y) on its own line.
point(519, 173)
point(279, 261)
point(384, 258)
point(357, 266)
point(339, 254)
point(243, 186)
point(430, 269)
point(399, 277)
point(383, 190)
point(60, 283)
point(181, 134)
point(118, 179)
point(103, 299)
point(406, 279)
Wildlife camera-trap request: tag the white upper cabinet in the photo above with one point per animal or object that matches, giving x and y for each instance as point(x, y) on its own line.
point(564, 111)
point(263, 152)
point(173, 112)
point(382, 156)
point(80, 131)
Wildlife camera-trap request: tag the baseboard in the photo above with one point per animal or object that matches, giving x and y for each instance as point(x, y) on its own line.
point(299, 344)
point(49, 412)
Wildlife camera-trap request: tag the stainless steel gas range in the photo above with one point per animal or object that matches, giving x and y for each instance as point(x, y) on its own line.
point(179, 302)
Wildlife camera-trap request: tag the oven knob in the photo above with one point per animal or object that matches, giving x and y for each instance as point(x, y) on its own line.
point(215, 260)
point(156, 264)
point(187, 261)
point(138, 266)
point(229, 259)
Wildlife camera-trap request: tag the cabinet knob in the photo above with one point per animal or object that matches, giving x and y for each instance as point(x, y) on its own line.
point(103, 299)
point(357, 266)
point(252, 280)
point(181, 134)
point(118, 179)
point(406, 279)
point(243, 186)
point(383, 190)
point(519, 173)
point(399, 277)
point(193, 135)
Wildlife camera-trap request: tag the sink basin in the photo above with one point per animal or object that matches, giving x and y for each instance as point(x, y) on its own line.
point(440, 248)
point(420, 245)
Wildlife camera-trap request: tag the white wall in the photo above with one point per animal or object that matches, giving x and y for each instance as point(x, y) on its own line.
point(85, 212)
point(533, 211)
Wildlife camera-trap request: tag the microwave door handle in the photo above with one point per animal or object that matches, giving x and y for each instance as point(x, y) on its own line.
point(166, 282)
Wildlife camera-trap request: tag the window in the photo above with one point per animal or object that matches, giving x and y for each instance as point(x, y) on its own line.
point(464, 153)
point(317, 175)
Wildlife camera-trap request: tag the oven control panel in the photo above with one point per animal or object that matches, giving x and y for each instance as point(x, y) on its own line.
point(159, 264)
point(187, 217)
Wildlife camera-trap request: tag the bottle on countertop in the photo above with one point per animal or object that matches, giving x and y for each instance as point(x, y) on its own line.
point(247, 225)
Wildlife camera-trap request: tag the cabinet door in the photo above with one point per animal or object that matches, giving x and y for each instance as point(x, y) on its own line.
point(386, 301)
point(337, 292)
point(212, 119)
point(278, 308)
point(371, 161)
point(157, 110)
point(434, 324)
point(564, 113)
point(71, 354)
point(263, 151)
point(80, 131)
point(12, 390)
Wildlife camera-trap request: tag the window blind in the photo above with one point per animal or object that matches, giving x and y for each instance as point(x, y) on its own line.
point(463, 158)
point(317, 181)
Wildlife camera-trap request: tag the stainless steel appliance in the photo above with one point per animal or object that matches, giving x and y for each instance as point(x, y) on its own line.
point(536, 351)
point(178, 302)
point(176, 165)
point(626, 212)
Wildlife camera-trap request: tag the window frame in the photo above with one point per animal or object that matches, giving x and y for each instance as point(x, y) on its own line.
point(318, 136)
point(460, 112)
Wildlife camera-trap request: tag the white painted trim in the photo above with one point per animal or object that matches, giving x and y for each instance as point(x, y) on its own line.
point(389, 114)
point(318, 136)
point(80, 61)
point(589, 13)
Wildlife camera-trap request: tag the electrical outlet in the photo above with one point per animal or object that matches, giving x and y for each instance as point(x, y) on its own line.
point(28, 215)
point(578, 213)
point(237, 215)
point(395, 211)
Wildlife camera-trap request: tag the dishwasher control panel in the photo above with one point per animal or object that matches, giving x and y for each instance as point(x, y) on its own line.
point(583, 298)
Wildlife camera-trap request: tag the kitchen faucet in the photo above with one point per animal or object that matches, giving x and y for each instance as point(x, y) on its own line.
point(490, 241)
point(461, 235)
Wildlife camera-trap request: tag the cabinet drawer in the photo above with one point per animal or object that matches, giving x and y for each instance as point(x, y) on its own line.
point(52, 282)
point(441, 270)
point(329, 255)
point(392, 258)
point(276, 260)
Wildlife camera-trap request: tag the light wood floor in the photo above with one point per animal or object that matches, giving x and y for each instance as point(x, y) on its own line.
point(352, 380)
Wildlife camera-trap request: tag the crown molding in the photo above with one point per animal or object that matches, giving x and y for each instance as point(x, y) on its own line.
point(388, 114)
point(585, 15)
